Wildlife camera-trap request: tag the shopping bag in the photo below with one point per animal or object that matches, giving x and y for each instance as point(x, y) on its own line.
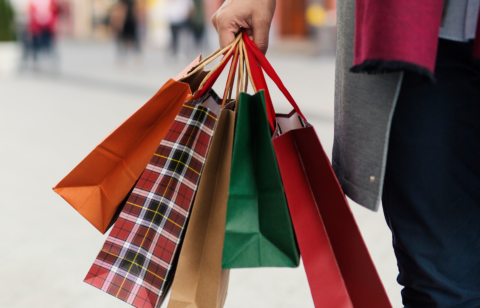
point(98, 185)
point(338, 266)
point(138, 260)
point(259, 231)
point(200, 281)
point(135, 262)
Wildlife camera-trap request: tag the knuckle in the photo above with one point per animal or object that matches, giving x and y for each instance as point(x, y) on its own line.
point(262, 47)
point(222, 21)
point(226, 20)
point(262, 25)
point(263, 22)
point(214, 20)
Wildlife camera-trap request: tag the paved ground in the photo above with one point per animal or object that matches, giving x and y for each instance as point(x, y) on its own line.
point(49, 122)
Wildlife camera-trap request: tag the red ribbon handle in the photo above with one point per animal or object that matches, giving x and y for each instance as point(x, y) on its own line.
point(259, 79)
point(261, 84)
point(211, 81)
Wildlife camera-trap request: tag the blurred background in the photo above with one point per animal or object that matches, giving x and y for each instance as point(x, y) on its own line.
point(33, 30)
point(72, 70)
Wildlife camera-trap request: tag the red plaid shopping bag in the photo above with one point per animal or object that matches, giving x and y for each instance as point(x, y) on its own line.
point(138, 258)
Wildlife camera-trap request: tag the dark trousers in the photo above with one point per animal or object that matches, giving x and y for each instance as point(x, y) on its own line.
point(431, 196)
point(175, 30)
point(42, 41)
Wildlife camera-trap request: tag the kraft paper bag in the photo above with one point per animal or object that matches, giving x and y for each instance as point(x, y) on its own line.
point(200, 281)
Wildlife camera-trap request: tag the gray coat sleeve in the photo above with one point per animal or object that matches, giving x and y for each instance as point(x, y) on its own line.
point(364, 106)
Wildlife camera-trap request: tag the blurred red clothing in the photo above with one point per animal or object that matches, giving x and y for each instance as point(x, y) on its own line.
point(43, 15)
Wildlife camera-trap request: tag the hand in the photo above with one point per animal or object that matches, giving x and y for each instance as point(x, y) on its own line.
point(255, 16)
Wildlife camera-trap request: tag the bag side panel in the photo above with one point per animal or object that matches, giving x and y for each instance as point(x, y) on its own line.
point(241, 245)
point(324, 276)
point(275, 222)
point(259, 232)
point(198, 279)
point(114, 166)
point(358, 271)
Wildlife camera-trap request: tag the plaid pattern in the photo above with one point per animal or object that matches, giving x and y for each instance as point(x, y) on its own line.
point(137, 259)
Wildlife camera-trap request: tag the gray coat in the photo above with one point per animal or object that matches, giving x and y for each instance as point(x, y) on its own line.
point(364, 106)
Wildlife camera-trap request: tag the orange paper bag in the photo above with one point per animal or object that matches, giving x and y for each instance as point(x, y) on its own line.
point(97, 186)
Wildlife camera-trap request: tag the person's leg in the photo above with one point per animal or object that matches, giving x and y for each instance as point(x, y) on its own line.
point(44, 41)
point(121, 49)
point(137, 45)
point(36, 46)
point(175, 29)
point(47, 40)
point(431, 193)
point(28, 47)
point(197, 31)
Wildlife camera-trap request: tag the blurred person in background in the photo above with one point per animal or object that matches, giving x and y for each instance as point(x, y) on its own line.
point(22, 23)
point(43, 16)
point(124, 21)
point(178, 13)
point(197, 24)
point(407, 130)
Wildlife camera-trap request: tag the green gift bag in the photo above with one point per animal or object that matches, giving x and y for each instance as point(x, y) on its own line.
point(259, 230)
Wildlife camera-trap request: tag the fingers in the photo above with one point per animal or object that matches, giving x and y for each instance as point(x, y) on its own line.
point(255, 16)
point(226, 28)
point(214, 21)
point(226, 35)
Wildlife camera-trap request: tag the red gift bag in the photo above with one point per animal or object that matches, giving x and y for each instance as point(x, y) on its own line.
point(339, 269)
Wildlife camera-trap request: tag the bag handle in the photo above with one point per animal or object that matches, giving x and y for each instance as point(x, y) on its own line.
point(242, 84)
point(211, 58)
point(213, 75)
point(242, 78)
point(259, 83)
point(231, 77)
point(243, 72)
point(259, 79)
point(237, 52)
